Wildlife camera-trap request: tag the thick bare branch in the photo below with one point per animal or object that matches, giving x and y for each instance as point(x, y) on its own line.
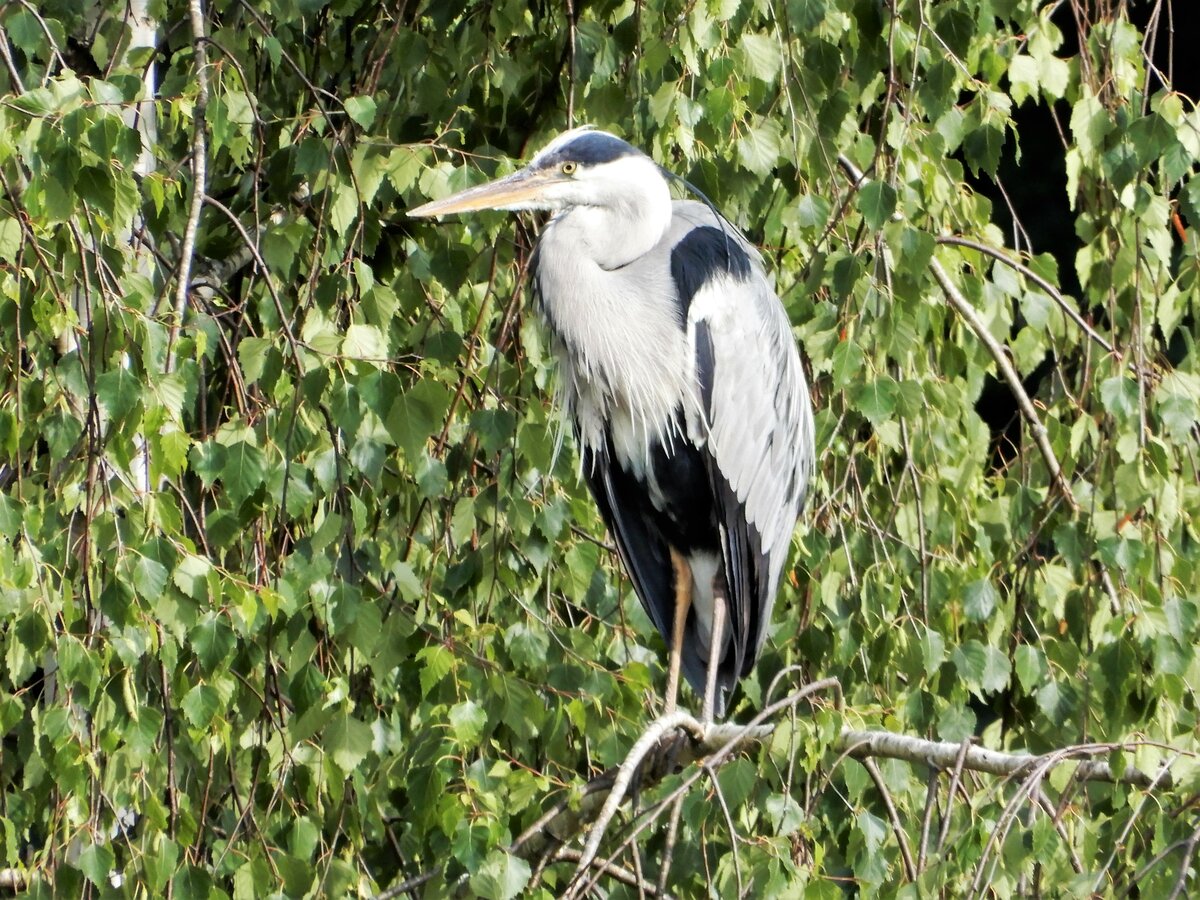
point(13, 880)
point(865, 744)
point(677, 740)
point(199, 174)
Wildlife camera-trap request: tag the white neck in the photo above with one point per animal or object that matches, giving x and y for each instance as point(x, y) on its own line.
point(614, 227)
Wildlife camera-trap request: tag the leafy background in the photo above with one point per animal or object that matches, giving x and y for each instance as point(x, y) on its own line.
point(296, 594)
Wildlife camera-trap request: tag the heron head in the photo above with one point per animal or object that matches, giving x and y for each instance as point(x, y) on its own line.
point(581, 167)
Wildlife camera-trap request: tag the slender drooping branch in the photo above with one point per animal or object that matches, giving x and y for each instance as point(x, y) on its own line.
point(1009, 371)
point(1013, 379)
point(1016, 265)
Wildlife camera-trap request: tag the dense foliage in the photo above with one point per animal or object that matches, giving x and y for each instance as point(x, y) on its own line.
point(297, 593)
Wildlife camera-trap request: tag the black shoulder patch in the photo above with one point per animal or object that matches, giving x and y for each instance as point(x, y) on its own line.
point(590, 149)
point(703, 254)
point(705, 365)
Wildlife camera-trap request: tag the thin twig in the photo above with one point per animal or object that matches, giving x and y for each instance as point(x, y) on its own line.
point(668, 856)
point(910, 868)
point(927, 816)
point(1040, 436)
point(733, 835)
point(570, 63)
point(14, 76)
point(1047, 807)
point(1185, 865)
point(1004, 364)
point(409, 884)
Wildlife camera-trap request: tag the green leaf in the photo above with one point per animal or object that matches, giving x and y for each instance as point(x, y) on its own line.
point(213, 640)
point(873, 829)
point(347, 741)
point(979, 599)
point(848, 362)
point(812, 211)
point(761, 55)
point(996, 671)
point(361, 110)
point(758, 149)
point(365, 342)
point(956, 724)
point(982, 149)
point(737, 780)
point(877, 203)
point(407, 582)
point(1031, 667)
point(1023, 74)
point(933, 651)
point(876, 400)
point(96, 862)
point(118, 392)
point(200, 705)
point(252, 353)
point(501, 877)
point(1120, 397)
point(785, 813)
point(149, 578)
point(344, 208)
point(438, 662)
point(244, 470)
point(10, 240)
point(417, 415)
point(526, 645)
point(467, 720)
point(970, 659)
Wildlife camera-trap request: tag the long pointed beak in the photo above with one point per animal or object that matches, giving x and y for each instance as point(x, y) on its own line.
point(516, 191)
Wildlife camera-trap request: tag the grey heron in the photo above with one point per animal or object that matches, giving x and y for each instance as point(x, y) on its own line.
point(681, 378)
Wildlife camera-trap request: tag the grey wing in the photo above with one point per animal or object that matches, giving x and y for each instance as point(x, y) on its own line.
point(757, 423)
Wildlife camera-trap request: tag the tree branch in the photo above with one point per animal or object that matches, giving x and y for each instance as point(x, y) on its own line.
point(678, 740)
point(13, 880)
point(199, 176)
point(1051, 291)
point(943, 754)
point(1004, 364)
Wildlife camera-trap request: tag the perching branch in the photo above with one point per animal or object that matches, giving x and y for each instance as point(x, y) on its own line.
point(677, 741)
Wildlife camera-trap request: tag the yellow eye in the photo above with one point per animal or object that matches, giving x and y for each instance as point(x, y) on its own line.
point(568, 168)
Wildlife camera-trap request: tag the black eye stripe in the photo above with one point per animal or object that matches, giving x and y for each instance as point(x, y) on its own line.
point(591, 148)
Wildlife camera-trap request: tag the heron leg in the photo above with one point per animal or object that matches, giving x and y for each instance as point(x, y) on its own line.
point(683, 604)
point(716, 643)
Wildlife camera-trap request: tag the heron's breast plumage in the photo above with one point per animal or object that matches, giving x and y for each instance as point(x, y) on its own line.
point(624, 365)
